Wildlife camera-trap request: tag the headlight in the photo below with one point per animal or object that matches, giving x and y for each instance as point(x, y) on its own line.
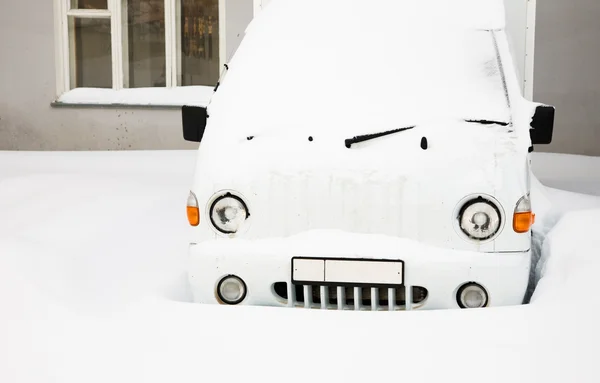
point(480, 219)
point(228, 213)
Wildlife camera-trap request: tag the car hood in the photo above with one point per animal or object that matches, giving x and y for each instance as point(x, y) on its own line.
point(389, 185)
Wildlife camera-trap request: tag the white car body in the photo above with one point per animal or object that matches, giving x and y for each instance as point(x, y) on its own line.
point(371, 225)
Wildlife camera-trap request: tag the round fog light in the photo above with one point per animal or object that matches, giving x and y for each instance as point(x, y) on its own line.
point(231, 290)
point(472, 296)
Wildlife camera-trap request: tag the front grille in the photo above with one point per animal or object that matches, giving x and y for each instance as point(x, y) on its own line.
point(351, 297)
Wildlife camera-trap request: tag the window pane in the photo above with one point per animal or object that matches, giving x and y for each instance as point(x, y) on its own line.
point(199, 42)
point(89, 4)
point(91, 64)
point(146, 43)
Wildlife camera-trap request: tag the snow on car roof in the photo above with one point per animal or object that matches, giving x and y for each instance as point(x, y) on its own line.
point(461, 14)
point(353, 67)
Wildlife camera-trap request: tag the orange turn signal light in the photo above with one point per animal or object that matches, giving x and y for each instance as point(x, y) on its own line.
point(193, 215)
point(522, 222)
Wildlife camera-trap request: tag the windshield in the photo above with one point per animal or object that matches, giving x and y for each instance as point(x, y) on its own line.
point(346, 78)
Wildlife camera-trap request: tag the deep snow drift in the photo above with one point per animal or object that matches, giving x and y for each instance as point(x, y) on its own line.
point(93, 289)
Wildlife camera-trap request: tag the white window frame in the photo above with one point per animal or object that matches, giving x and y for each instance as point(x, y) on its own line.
point(116, 12)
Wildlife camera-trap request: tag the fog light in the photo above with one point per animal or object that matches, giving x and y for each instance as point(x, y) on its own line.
point(472, 296)
point(231, 290)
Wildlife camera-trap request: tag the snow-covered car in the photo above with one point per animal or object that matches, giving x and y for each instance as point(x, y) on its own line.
point(366, 156)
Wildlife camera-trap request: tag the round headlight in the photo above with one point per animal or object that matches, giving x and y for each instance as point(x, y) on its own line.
point(228, 213)
point(472, 296)
point(479, 219)
point(231, 290)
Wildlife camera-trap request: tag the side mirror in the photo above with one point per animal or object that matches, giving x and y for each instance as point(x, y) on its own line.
point(194, 122)
point(542, 125)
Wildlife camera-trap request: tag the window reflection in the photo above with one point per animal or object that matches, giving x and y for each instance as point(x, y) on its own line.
point(199, 42)
point(89, 4)
point(90, 51)
point(144, 57)
point(146, 43)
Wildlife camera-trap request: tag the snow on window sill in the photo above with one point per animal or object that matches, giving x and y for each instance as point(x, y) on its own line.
point(138, 97)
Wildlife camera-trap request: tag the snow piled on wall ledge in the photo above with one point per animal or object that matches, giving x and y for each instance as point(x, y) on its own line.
point(187, 95)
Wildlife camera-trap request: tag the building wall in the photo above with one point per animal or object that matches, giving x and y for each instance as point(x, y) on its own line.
point(566, 62)
point(519, 15)
point(28, 87)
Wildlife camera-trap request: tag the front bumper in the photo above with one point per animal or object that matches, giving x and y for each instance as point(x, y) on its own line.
point(262, 263)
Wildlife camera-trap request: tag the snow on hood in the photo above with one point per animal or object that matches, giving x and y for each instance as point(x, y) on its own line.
point(472, 148)
point(362, 67)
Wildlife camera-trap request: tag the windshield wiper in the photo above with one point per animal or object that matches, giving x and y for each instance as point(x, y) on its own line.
point(367, 137)
point(488, 122)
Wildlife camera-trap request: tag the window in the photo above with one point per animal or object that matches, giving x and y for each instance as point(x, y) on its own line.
point(125, 44)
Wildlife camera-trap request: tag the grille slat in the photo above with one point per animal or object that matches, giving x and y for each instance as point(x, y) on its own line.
point(357, 298)
point(291, 294)
point(408, 298)
point(324, 297)
point(341, 297)
point(307, 296)
point(374, 298)
point(391, 299)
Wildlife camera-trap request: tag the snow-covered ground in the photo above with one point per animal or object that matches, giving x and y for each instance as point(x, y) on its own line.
point(93, 289)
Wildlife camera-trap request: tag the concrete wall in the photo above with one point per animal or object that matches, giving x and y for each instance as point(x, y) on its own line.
point(516, 30)
point(567, 62)
point(239, 13)
point(28, 87)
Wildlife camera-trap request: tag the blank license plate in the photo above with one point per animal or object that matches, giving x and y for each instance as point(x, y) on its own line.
point(347, 271)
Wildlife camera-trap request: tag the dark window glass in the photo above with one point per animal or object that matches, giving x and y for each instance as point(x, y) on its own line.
point(90, 47)
point(199, 43)
point(145, 62)
point(89, 4)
